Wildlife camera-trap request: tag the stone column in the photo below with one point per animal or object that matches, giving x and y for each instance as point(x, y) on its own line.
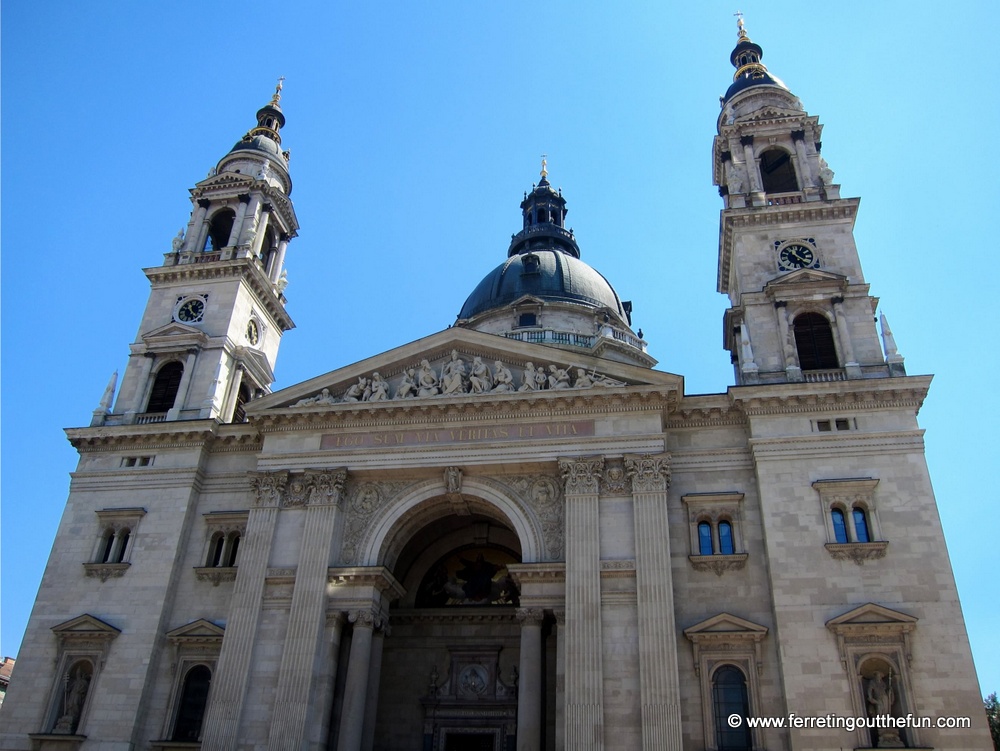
point(184, 386)
point(321, 492)
point(840, 326)
point(225, 705)
point(241, 212)
point(249, 218)
point(753, 173)
point(258, 240)
point(374, 676)
point(318, 732)
point(560, 634)
point(792, 370)
point(659, 683)
point(805, 172)
point(143, 385)
point(235, 382)
point(352, 716)
point(279, 258)
point(199, 228)
point(529, 686)
point(584, 673)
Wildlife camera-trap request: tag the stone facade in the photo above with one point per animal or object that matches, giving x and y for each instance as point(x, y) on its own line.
point(494, 538)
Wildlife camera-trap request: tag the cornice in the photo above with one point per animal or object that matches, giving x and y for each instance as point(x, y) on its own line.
point(824, 445)
point(242, 268)
point(458, 615)
point(468, 408)
point(211, 434)
point(861, 394)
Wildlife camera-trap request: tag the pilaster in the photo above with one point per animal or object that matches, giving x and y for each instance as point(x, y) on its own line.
point(584, 671)
point(659, 684)
point(322, 494)
point(529, 688)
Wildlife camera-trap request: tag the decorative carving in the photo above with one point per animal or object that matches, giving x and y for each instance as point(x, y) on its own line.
point(481, 379)
point(473, 681)
point(503, 380)
point(581, 476)
point(530, 616)
point(859, 552)
point(453, 375)
point(559, 378)
point(105, 571)
point(364, 618)
point(296, 491)
point(718, 564)
point(649, 473)
point(327, 488)
point(613, 479)
point(268, 487)
point(364, 500)
point(543, 497)
point(427, 382)
point(453, 479)
point(215, 574)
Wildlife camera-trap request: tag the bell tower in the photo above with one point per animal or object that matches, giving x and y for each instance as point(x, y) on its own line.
point(209, 336)
point(800, 306)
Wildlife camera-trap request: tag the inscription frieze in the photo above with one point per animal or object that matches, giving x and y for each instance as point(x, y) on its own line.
point(498, 433)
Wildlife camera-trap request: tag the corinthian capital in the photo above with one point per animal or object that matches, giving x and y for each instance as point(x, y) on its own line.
point(268, 487)
point(650, 473)
point(582, 475)
point(327, 488)
point(530, 616)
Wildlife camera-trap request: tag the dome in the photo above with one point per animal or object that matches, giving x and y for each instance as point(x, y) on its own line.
point(745, 82)
point(546, 274)
point(258, 143)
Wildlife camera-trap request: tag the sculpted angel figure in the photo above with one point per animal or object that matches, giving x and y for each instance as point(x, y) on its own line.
point(427, 382)
point(408, 386)
point(559, 378)
point(178, 242)
point(379, 388)
point(541, 380)
point(502, 377)
point(480, 379)
point(453, 375)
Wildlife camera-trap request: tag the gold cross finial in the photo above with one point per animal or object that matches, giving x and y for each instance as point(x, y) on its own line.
point(545, 171)
point(739, 24)
point(277, 90)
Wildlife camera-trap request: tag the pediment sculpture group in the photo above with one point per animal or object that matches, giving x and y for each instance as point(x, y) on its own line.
point(456, 377)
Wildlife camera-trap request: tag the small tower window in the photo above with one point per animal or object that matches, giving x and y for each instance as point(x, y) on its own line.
point(814, 342)
point(165, 387)
point(777, 172)
point(527, 319)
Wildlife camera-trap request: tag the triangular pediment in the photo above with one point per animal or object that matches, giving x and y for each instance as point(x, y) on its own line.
point(197, 631)
point(256, 362)
point(574, 373)
point(808, 276)
point(85, 626)
point(871, 614)
point(726, 624)
point(225, 180)
point(172, 335)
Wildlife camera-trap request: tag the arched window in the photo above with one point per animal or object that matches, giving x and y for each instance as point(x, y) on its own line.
point(839, 525)
point(726, 546)
point(860, 524)
point(234, 546)
point(165, 387)
point(242, 397)
point(814, 342)
point(107, 545)
point(219, 229)
point(191, 708)
point(705, 538)
point(215, 552)
point(729, 697)
point(777, 172)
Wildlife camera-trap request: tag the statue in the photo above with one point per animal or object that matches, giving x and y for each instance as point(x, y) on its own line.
point(541, 380)
point(76, 693)
point(737, 179)
point(408, 386)
point(453, 480)
point(879, 695)
point(528, 380)
point(213, 172)
point(356, 392)
point(559, 378)
point(282, 282)
point(504, 381)
point(453, 375)
point(265, 170)
point(178, 242)
point(427, 382)
point(825, 173)
point(583, 381)
point(481, 380)
point(378, 389)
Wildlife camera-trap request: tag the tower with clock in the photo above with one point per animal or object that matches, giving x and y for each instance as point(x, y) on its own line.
point(210, 333)
point(800, 308)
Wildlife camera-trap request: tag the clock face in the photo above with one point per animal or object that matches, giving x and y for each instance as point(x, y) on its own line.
point(796, 256)
point(191, 311)
point(253, 332)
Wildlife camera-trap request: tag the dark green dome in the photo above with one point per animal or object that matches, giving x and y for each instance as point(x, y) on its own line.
point(546, 274)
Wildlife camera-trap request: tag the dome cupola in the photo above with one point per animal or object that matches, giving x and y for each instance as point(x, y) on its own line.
point(750, 71)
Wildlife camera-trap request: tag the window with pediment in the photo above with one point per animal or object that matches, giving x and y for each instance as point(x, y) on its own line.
point(716, 531)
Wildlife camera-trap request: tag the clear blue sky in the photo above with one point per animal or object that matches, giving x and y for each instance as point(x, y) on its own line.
point(414, 130)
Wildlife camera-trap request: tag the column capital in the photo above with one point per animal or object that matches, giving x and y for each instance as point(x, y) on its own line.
point(746, 140)
point(530, 616)
point(582, 475)
point(650, 473)
point(268, 488)
point(365, 618)
point(327, 488)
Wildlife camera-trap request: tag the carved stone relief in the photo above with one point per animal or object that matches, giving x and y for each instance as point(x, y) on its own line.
point(649, 473)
